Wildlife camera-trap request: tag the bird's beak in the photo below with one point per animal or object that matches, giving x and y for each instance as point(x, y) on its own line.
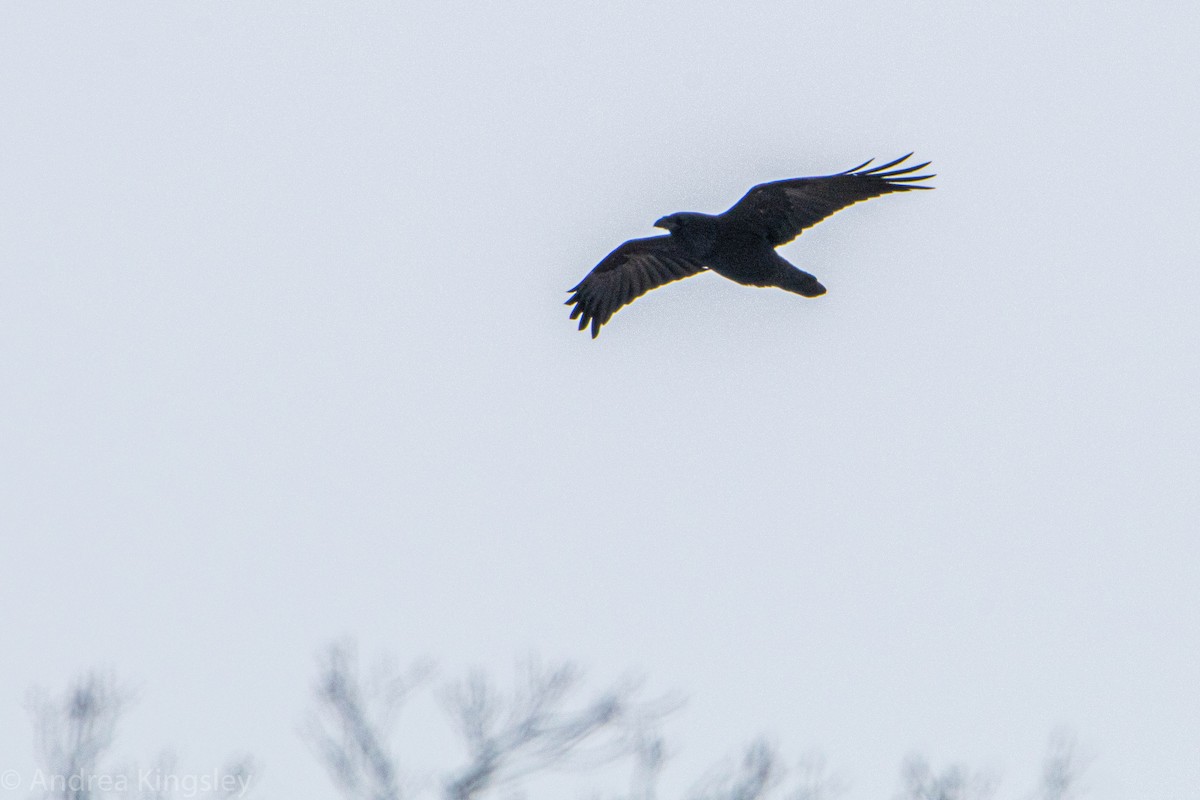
point(665, 223)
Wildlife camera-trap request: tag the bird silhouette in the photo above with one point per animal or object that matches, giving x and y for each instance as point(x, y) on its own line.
point(739, 244)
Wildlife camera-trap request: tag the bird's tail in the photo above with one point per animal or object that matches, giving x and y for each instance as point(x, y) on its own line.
point(800, 282)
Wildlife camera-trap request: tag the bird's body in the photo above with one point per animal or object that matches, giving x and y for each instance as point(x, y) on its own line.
point(738, 245)
point(746, 256)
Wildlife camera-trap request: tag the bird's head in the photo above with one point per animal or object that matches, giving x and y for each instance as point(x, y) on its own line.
point(695, 232)
point(688, 221)
point(670, 223)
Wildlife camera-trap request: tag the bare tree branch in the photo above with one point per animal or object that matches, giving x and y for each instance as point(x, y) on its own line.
point(649, 752)
point(542, 725)
point(758, 772)
point(353, 723)
point(75, 732)
point(1062, 768)
point(532, 730)
point(815, 782)
point(955, 783)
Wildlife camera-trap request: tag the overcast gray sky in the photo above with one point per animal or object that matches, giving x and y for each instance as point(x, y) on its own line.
point(286, 360)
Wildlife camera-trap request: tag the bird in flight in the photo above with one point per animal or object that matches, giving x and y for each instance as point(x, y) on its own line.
point(739, 244)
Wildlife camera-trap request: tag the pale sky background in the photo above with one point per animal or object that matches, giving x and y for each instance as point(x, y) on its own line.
point(285, 360)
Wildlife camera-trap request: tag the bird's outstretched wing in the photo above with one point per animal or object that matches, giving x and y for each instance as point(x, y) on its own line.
point(628, 272)
point(782, 209)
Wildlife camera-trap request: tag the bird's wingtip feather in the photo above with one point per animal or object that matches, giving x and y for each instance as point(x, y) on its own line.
point(852, 170)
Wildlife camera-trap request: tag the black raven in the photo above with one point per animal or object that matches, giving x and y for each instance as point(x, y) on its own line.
point(739, 244)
